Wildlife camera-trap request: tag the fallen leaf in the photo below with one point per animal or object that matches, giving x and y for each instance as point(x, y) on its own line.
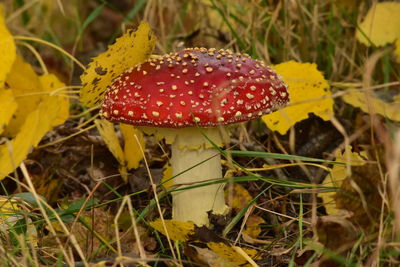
point(27, 90)
point(253, 228)
point(7, 49)
point(230, 254)
point(38, 109)
point(8, 105)
point(166, 181)
point(337, 175)
point(131, 155)
point(381, 25)
point(309, 93)
point(336, 233)
point(107, 132)
point(178, 231)
point(132, 148)
point(36, 124)
point(52, 85)
point(207, 257)
point(238, 197)
point(131, 49)
point(371, 104)
point(397, 50)
point(47, 186)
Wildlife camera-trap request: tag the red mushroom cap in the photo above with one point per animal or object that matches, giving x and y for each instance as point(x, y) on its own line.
point(196, 86)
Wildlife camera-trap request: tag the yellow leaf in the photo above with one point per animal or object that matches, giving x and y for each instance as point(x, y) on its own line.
point(166, 181)
point(338, 174)
point(230, 254)
point(381, 25)
point(132, 152)
point(131, 49)
point(7, 107)
point(37, 112)
point(52, 85)
point(27, 91)
point(371, 104)
point(253, 228)
point(179, 231)
point(36, 124)
point(48, 186)
point(239, 197)
point(7, 49)
point(397, 50)
point(107, 132)
point(309, 93)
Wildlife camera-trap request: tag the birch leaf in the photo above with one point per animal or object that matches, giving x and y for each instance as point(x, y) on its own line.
point(381, 25)
point(7, 49)
point(253, 228)
point(132, 148)
point(397, 50)
point(7, 107)
point(230, 254)
point(369, 103)
point(178, 231)
point(309, 93)
point(27, 90)
point(51, 86)
point(131, 49)
point(36, 124)
point(238, 197)
point(166, 181)
point(38, 111)
point(338, 175)
point(107, 132)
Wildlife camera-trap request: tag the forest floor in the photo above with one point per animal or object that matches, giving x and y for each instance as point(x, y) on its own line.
point(315, 183)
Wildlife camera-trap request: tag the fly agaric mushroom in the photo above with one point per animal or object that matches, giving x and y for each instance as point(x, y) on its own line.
point(180, 92)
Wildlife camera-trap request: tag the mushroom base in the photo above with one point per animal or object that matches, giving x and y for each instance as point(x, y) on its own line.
point(194, 204)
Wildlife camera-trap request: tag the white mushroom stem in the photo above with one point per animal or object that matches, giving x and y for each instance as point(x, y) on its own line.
point(194, 204)
point(190, 148)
